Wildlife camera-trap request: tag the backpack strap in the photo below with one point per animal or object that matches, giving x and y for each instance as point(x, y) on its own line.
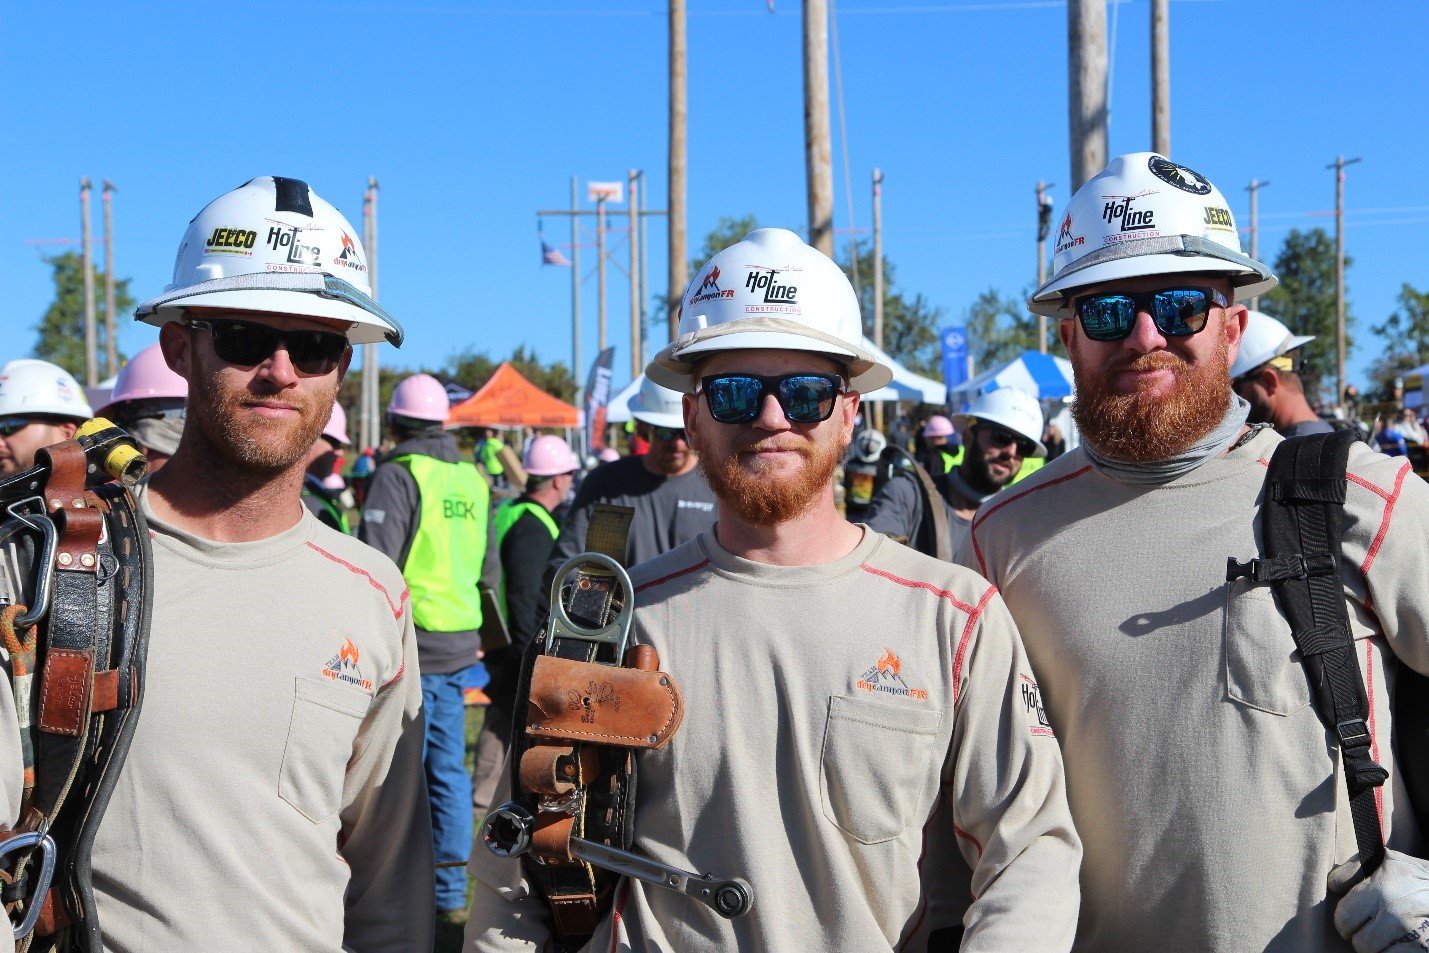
point(1301, 524)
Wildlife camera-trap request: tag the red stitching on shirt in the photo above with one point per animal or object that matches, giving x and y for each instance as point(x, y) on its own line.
point(914, 584)
point(401, 670)
point(396, 607)
point(619, 909)
point(1392, 499)
point(922, 856)
point(979, 519)
point(674, 575)
point(1373, 739)
point(965, 638)
point(1361, 481)
point(968, 837)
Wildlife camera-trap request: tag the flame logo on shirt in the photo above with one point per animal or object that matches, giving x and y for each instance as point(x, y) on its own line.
point(343, 667)
point(886, 676)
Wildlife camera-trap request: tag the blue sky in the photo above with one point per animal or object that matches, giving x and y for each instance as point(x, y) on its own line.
point(474, 115)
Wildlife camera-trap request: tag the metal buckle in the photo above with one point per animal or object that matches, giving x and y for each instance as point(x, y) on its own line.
point(49, 544)
point(617, 631)
point(46, 876)
point(1353, 733)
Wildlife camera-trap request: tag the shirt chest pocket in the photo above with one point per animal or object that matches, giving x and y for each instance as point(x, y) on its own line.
point(876, 762)
point(325, 720)
point(1262, 666)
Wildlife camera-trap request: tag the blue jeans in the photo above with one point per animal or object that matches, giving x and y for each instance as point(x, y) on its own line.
point(448, 784)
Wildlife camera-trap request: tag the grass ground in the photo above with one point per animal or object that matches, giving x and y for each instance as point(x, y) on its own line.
point(448, 938)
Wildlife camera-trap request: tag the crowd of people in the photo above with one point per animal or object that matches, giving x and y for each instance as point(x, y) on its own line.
point(975, 683)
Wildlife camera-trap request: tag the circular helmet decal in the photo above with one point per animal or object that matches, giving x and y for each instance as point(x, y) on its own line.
point(1178, 175)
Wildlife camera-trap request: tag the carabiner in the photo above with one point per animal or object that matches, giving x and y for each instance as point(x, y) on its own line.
point(43, 879)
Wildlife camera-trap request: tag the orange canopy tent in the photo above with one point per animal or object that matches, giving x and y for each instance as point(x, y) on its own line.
point(510, 400)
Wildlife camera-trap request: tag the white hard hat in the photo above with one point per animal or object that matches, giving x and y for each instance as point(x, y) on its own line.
point(272, 245)
point(1008, 407)
point(1145, 215)
point(769, 291)
point(1264, 340)
point(657, 406)
point(869, 445)
point(31, 388)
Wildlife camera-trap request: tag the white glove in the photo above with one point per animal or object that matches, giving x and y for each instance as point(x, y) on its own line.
point(1389, 910)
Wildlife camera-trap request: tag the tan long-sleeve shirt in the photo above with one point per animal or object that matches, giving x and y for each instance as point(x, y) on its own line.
point(849, 729)
point(274, 797)
point(1202, 781)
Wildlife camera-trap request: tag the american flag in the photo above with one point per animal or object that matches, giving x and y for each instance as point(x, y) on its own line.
point(550, 255)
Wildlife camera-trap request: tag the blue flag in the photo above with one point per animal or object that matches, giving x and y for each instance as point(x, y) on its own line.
point(955, 356)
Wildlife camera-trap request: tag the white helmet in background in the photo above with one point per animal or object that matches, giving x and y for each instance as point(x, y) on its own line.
point(658, 406)
point(34, 388)
point(1145, 215)
point(869, 445)
point(1263, 341)
point(273, 245)
point(769, 291)
point(1008, 407)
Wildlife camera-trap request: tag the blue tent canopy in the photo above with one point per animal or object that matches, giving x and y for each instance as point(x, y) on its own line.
point(1041, 375)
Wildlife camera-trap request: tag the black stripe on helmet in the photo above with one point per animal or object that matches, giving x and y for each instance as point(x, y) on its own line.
point(292, 196)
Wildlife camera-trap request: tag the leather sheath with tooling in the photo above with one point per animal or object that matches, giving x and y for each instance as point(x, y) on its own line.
point(76, 666)
point(586, 705)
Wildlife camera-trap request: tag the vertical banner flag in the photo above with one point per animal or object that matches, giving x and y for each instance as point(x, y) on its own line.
point(955, 357)
point(597, 393)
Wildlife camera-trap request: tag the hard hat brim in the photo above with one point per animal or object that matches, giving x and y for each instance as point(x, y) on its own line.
point(1249, 279)
point(1245, 363)
point(675, 421)
point(673, 367)
point(963, 421)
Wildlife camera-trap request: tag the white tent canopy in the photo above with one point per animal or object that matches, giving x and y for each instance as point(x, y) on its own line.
point(617, 411)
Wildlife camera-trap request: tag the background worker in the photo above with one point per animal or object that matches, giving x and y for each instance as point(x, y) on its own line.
point(525, 532)
point(148, 401)
point(1001, 432)
point(323, 487)
point(1264, 376)
point(40, 404)
point(428, 510)
point(672, 500)
point(939, 455)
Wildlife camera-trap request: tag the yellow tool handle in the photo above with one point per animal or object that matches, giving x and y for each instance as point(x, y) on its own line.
point(123, 461)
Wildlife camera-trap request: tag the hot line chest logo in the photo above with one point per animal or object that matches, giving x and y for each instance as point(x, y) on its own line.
point(886, 677)
point(1031, 698)
point(288, 239)
point(778, 295)
point(343, 667)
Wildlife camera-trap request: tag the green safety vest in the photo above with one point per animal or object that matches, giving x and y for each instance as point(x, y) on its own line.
point(1030, 466)
point(951, 460)
point(445, 560)
point(506, 516)
point(491, 456)
point(332, 508)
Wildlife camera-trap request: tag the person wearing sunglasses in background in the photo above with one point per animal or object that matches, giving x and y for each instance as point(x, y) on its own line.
point(273, 796)
point(851, 707)
point(1000, 435)
point(672, 500)
point(1204, 783)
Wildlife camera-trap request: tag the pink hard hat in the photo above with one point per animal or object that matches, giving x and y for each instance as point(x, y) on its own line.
point(147, 377)
point(938, 426)
point(609, 455)
point(549, 455)
point(336, 428)
point(420, 397)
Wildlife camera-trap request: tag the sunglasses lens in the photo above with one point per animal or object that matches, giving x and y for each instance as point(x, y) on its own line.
point(668, 433)
point(733, 399)
point(8, 428)
point(1107, 317)
point(1181, 312)
point(807, 398)
point(246, 345)
point(315, 352)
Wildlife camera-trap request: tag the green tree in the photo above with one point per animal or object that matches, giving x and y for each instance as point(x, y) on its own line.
point(1000, 328)
point(1406, 333)
point(60, 331)
point(726, 232)
point(472, 369)
point(910, 325)
point(1305, 301)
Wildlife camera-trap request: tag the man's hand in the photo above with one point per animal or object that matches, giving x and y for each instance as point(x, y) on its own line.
point(1389, 910)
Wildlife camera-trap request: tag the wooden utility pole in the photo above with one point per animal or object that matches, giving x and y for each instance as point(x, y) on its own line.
point(679, 263)
point(1339, 166)
point(111, 351)
point(576, 369)
point(91, 371)
point(634, 243)
point(644, 275)
point(1086, 68)
point(878, 278)
point(1254, 188)
point(1161, 77)
point(600, 272)
point(818, 150)
point(371, 373)
point(1044, 224)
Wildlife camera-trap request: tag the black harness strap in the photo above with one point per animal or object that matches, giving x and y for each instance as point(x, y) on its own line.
point(1301, 523)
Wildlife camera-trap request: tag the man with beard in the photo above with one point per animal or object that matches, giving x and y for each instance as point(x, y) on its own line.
point(851, 707)
point(664, 486)
point(1001, 430)
point(1200, 774)
point(273, 796)
point(1264, 376)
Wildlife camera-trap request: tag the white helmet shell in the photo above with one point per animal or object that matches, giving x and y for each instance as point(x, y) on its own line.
point(1264, 340)
point(657, 406)
point(30, 388)
point(1008, 407)
point(1146, 215)
point(869, 445)
point(769, 290)
point(273, 245)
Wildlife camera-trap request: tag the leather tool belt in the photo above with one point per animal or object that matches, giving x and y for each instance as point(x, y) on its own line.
point(587, 703)
point(77, 669)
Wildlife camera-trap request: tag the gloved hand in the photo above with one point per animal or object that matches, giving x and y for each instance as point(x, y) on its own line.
point(1389, 910)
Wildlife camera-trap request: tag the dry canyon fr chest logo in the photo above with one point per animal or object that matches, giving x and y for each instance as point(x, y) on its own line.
point(886, 676)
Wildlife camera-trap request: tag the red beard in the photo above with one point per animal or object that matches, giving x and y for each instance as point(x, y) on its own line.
point(756, 495)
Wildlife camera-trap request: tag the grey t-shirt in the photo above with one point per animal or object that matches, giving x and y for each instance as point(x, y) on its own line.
point(668, 510)
point(1306, 427)
point(897, 511)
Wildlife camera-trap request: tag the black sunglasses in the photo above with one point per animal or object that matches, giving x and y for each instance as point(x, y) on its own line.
point(1001, 437)
point(13, 425)
point(738, 398)
point(1178, 312)
point(248, 344)
point(666, 433)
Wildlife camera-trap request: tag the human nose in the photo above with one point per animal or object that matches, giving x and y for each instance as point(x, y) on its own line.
point(1145, 336)
point(279, 367)
point(771, 415)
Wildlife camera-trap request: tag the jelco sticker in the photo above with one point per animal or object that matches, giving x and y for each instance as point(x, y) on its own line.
point(1178, 176)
